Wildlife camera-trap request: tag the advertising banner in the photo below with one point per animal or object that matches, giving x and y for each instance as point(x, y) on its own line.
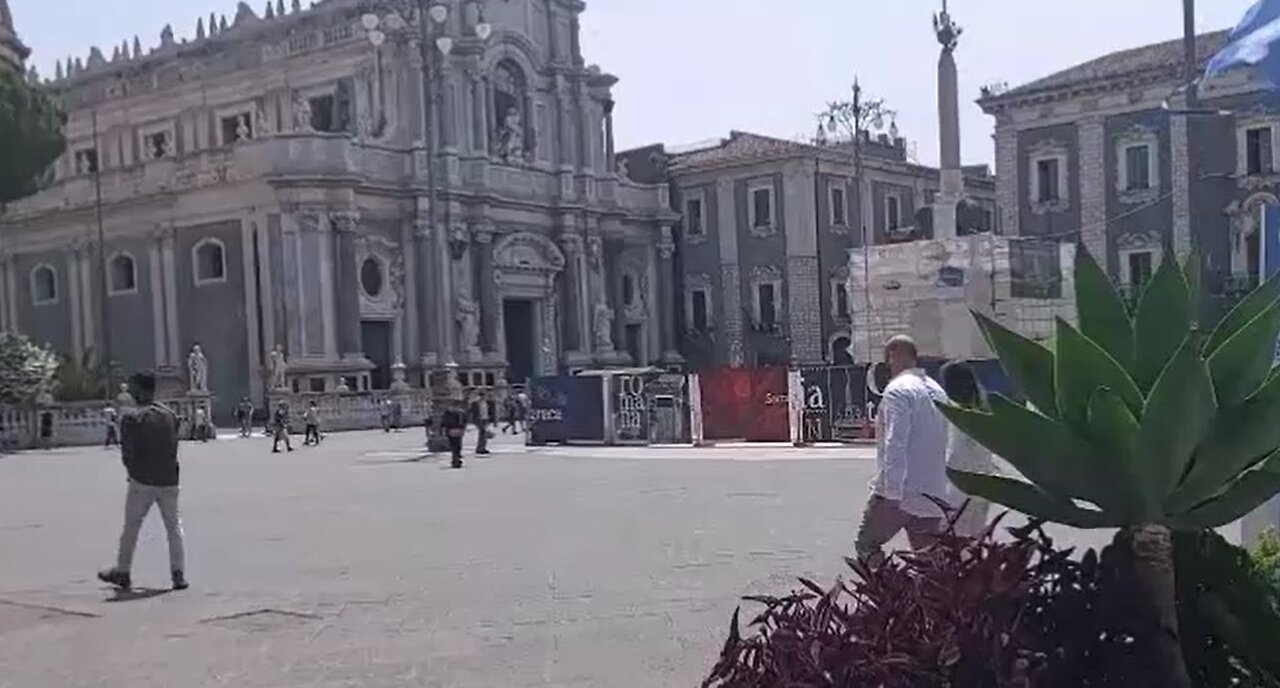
point(768, 418)
point(815, 423)
point(566, 409)
point(630, 408)
point(739, 403)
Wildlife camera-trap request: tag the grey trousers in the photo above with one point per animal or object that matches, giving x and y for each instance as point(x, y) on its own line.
point(137, 503)
point(883, 519)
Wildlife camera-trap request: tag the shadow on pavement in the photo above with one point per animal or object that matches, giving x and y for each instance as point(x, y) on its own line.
point(135, 594)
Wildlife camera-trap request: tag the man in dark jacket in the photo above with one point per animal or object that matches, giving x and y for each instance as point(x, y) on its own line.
point(149, 448)
point(280, 428)
point(454, 424)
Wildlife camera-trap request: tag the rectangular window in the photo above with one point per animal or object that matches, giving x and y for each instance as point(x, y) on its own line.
point(1047, 180)
point(762, 207)
point(86, 161)
point(158, 145)
point(236, 127)
point(840, 297)
point(768, 309)
point(1137, 167)
point(839, 210)
point(698, 310)
point(892, 212)
point(1140, 267)
point(693, 217)
point(1258, 150)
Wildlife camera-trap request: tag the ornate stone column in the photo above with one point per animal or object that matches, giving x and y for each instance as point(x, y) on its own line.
point(425, 270)
point(170, 296)
point(490, 307)
point(611, 164)
point(346, 283)
point(574, 339)
point(480, 114)
point(155, 283)
point(666, 297)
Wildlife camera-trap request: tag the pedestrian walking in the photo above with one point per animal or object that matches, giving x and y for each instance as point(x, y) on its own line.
point(244, 416)
point(149, 449)
point(509, 414)
point(454, 423)
point(46, 429)
point(280, 428)
point(910, 456)
point(478, 415)
point(311, 418)
point(203, 428)
point(384, 412)
point(964, 453)
point(397, 414)
point(112, 418)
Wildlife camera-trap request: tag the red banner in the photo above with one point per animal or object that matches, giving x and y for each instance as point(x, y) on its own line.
point(745, 404)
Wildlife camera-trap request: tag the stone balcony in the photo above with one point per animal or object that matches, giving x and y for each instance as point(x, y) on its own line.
point(305, 158)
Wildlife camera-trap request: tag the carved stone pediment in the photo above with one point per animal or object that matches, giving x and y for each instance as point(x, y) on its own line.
point(526, 251)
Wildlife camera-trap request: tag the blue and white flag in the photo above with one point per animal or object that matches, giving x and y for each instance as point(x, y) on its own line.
point(1255, 42)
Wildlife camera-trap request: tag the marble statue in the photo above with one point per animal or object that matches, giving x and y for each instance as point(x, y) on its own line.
point(198, 370)
point(242, 128)
point(624, 170)
point(302, 115)
point(278, 368)
point(262, 123)
point(468, 325)
point(124, 398)
point(512, 135)
point(603, 326)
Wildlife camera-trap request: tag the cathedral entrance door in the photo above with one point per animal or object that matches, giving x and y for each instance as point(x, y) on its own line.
point(518, 324)
point(375, 336)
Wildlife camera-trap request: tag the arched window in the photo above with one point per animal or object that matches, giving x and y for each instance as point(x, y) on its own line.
point(44, 285)
point(122, 274)
point(511, 137)
point(371, 277)
point(840, 351)
point(209, 257)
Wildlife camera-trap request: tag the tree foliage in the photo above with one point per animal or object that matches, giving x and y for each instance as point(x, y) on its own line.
point(82, 379)
point(26, 369)
point(31, 126)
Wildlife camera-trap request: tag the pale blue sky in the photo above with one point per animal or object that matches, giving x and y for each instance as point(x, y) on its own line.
point(694, 69)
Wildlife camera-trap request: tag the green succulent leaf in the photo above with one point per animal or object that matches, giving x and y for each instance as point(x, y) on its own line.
point(1115, 431)
point(1043, 450)
point(1249, 308)
point(1253, 489)
point(1242, 363)
point(1082, 366)
point(1191, 273)
point(1027, 363)
point(1162, 321)
point(1178, 413)
point(1027, 499)
point(1235, 442)
point(1103, 316)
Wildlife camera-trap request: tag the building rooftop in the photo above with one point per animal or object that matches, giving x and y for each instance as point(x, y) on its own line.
point(1148, 60)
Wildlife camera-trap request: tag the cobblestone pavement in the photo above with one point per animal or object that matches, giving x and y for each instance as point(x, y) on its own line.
point(357, 564)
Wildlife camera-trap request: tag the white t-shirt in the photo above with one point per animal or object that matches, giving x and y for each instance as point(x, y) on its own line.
point(911, 448)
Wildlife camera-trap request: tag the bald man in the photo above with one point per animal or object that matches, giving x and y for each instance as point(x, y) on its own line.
point(911, 456)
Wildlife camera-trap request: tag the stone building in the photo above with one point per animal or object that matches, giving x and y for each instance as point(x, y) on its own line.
point(766, 231)
point(12, 52)
point(1107, 152)
point(274, 183)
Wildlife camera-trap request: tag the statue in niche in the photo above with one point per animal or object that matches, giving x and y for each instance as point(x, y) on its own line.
point(511, 140)
point(243, 132)
point(302, 115)
point(262, 124)
point(279, 368)
point(468, 325)
point(124, 399)
point(197, 370)
point(624, 170)
point(603, 326)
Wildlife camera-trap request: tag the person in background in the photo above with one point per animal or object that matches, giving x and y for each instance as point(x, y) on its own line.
point(244, 415)
point(965, 454)
point(384, 411)
point(149, 449)
point(110, 415)
point(397, 414)
point(478, 415)
point(454, 424)
point(46, 429)
point(202, 428)
point(280, 428)
point(910, 457)
point(509, 412)
point(522, 411)
point(311, 418)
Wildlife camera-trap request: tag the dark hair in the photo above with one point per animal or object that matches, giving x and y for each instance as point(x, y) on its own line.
point(961, 384)
point(145, 381)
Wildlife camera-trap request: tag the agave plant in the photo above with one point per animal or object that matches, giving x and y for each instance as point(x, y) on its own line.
point(1137, 420)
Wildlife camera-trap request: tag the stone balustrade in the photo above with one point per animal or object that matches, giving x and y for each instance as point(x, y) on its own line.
point(340, 412)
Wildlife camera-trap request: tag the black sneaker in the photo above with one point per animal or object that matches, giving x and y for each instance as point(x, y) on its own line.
point(116, 577)
point(180, 581)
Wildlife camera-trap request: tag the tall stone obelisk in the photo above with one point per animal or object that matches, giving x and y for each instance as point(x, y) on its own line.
point(948, 198)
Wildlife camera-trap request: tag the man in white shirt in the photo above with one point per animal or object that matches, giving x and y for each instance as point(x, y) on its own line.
point(911, 456)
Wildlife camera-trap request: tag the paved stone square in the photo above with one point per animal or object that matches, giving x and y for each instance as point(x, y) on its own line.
point(355, 565)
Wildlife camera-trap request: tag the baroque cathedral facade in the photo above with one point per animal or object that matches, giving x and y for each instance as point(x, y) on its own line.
point(359, 185)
